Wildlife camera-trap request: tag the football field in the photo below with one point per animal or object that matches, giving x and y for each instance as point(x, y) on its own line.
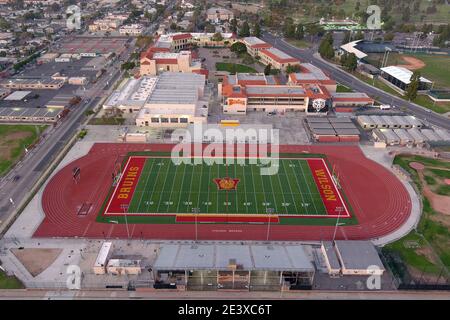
point(152, 185)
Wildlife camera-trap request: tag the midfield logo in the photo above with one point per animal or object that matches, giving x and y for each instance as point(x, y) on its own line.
point(226, 183)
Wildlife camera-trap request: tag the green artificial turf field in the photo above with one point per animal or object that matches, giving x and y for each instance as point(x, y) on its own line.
point(162, 190)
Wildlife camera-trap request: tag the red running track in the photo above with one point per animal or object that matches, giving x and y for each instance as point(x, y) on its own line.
point(379, 200)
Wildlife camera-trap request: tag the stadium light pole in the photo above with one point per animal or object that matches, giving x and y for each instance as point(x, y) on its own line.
point(339, 210)
point(268, 211)
point(196, 211)
point(125, 209)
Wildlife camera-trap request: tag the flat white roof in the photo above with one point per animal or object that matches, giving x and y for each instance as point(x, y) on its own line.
point(217, 257)
point(280, 54)
point(350, 48)
point(17, 95)
point(402, 74)
point(358, 255)
point(103, 254)
point(253, 40)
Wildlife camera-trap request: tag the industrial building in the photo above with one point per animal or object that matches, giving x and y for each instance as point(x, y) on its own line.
point(30, 115)
point(235, 267)
point(34, 84)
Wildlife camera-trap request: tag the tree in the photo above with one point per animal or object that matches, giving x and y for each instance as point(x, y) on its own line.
point(217, 37)
point(359, 35)
point(326, 46)
point(267, 69)
point(346, 37)
point(299, 32)
point(238, 47)
point(209, 28)
point(257, 30)
point(389, 36)
point(127, 66)
point(244, 31)
point(289, 29)
point(233, 25)
point(413, 86)
point(351, 62)
point(292, 69)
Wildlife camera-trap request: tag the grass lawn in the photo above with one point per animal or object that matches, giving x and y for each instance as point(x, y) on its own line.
point(234, 67)
point(13, 141)
point(107, 121)
point(7, 282)
point(437, 69)
point(302, 44)
point(342, 88)
point(433, 231)
point(426, 102)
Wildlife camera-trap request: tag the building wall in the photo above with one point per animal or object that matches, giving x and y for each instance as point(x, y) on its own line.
point(241, 106)
point(265, 59)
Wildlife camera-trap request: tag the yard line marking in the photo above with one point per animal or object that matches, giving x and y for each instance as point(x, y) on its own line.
point(264, 193)
point(217, 190)
point(209, 179)
point(181, 189)
point(154, 185)
point(190, 188)
point(235, 191)
point(245, 190)
point(289, 184)
point(309, 190)
point(298, 184)
point(199, 187)
point(171, 188)
point(275, 199)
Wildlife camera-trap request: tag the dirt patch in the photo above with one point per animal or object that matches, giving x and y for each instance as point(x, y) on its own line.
point(439, 202)
point(417, 165)
point(429, 278)
point(36, 260)
point(427, 253)
point(412, 63)
point(9, 141)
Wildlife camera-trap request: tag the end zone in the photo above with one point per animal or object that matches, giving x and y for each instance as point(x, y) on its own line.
point(331, 197)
